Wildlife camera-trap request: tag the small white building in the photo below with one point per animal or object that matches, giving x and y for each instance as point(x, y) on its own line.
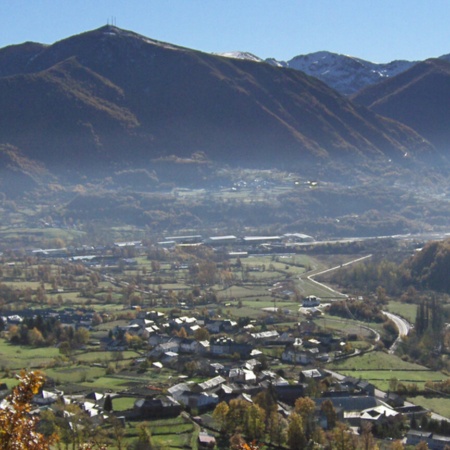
point(311, 301)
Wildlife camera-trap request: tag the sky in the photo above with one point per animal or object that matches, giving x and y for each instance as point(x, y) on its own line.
point(375, 30)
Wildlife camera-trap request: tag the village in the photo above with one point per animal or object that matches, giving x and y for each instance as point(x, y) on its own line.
point(179, 354)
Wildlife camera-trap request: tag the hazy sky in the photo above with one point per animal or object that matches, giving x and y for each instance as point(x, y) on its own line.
point(376, 30)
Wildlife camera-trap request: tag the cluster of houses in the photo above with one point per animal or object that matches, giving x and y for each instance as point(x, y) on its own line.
point(243, 376)
point(354, 400)
point(167, 347)
point(75, 317)
point(233, 367)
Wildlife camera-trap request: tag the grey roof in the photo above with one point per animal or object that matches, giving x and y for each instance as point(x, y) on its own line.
point(356, 403)
point(179, 388)
point(212, 383)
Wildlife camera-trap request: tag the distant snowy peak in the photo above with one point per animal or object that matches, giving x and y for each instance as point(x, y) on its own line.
point(240, 55)
point(346, 74)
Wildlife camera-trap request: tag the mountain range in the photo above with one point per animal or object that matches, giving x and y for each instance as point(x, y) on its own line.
point(111, 99)
point(418, 97)
point(346, 74)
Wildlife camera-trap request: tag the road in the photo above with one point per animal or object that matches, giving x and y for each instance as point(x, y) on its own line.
point(403, 327)
point(311, 277)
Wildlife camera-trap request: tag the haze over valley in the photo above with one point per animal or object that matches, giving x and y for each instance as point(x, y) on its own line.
point(212, 249)
point(108, 124)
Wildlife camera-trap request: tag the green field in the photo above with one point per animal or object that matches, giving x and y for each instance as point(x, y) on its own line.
point(74, 374)
point(39, 234)
point(104, 356)
point(379, 368)
point(406, 310)
point(16, 357)
point(437, 405)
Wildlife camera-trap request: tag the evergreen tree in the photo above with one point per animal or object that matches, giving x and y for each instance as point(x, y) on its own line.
point(108, 406)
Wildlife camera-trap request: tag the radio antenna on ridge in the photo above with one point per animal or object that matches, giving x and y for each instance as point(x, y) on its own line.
point(111, 21)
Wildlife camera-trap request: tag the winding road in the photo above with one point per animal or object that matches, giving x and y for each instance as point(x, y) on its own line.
point(403, 326)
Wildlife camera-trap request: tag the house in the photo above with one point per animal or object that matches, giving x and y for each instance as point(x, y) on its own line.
point(169, 357)
point(434, 441)
point(313, 375)
point(351, 406)
point(180, 391)
point(325, 338)
point(155, 315)
point(91, 409)
point(46, 397)
point(158, 338)
point(205, 440)
point(214, 327)
point(210, 384)
point(203, 347)
point(311, 301)
point(201, 401)
point(217, 369)
point(381, 414)
point(130, 328)
point(356, 385)
point(239, 375)
point(226, 346)
point(189, 346)
point(289, 393)
point(252, 364)
point(265, 336)
point(218, 326)
point(163, 406)
point(394, 400)
point(296, 356)
point(412, 411)
point(171, 346)
point(230, 391)
point(94, 396)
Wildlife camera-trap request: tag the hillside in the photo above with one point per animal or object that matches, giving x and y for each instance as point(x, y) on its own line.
point(418, 98)
point(111, 98)
point(15, 58)
point(64, 115)
point(429, 267)
point(18, 174)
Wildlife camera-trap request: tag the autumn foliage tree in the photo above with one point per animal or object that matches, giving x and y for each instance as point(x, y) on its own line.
point(17, 426)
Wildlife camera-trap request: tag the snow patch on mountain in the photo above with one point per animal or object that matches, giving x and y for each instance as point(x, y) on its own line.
point(346, 74)
point(240, 55)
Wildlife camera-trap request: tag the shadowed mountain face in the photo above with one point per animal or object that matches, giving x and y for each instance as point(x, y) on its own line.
point(18, 174)
point(419, 98)
point(111, 98)
point(15, 58)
